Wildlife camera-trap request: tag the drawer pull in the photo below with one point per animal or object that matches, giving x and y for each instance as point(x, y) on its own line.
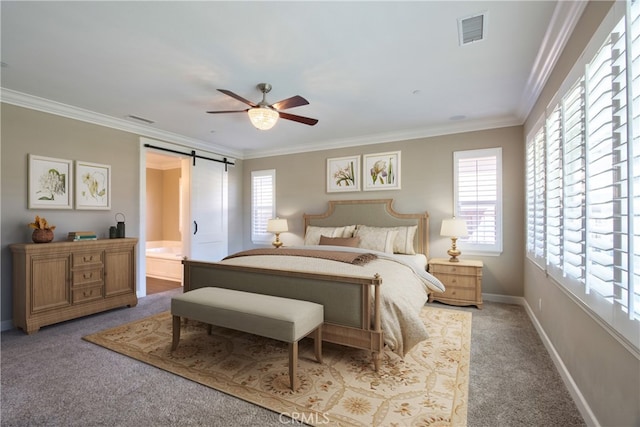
point(88, 293)
point(88, 258)
point(88, 276)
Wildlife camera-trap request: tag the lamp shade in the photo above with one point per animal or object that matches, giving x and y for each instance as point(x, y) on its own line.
point(263, 118)
point(277, 225)
point(454, 228)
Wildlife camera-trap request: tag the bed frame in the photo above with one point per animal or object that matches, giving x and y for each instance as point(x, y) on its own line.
point(351, 304)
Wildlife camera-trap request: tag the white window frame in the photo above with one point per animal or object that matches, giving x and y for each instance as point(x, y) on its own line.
point(263, 187)
point(483, 249)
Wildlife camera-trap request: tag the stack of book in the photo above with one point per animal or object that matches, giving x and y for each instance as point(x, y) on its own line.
point(75, 236)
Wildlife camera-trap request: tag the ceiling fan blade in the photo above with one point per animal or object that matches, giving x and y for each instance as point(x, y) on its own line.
point(228, 111)
point(238, 97)
point(299, 119)
point(294, 101)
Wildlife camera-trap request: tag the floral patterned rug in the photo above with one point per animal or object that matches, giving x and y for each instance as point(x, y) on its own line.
point(428, 388)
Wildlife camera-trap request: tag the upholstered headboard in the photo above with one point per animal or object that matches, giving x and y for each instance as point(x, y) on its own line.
point(375, 213)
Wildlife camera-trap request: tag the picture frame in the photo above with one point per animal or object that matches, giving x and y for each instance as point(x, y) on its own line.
point(381, 171)
point(50, 183)
point(93, 186)
point(343, 174)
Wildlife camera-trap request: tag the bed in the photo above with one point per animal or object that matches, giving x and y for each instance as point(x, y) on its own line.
point(366, 305)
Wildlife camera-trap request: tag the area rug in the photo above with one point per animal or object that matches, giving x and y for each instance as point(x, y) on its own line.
point(428, 388)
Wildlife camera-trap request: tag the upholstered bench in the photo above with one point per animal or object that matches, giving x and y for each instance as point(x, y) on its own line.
point(282, 319)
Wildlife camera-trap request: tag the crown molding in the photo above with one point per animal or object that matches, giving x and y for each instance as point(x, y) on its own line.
point(458, 127)
point(20, 99)
point(564, 20)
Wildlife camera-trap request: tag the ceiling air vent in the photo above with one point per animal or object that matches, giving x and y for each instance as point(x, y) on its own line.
point(472, 28)
point(140, 119)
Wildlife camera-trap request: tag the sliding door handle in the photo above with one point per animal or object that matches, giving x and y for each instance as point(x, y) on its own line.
point(195, 230)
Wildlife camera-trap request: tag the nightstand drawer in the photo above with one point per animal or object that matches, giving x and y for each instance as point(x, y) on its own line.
point(461, 294)
point(449, 280)
point(463, 270)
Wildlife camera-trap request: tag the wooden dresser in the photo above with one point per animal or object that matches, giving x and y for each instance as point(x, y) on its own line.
point(463, 281)
point(58, 281)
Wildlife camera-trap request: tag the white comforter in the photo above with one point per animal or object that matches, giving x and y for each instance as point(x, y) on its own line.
point(402, 295)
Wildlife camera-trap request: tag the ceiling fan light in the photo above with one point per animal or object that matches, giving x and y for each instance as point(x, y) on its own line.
point(263, 118)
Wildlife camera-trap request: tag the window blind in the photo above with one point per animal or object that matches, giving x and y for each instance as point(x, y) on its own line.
point(263, 206)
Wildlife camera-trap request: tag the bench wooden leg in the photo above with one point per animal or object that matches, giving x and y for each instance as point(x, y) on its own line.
point(293, 365)
point(176, 332)
point(317, 341)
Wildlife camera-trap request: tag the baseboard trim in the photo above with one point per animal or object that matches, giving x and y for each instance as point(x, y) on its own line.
point(583, 406)
point(6, 325)
point(504, 299)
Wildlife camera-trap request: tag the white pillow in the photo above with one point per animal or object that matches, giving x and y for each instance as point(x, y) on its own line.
point(403, 243)
point(377, 239)
point(313, 233)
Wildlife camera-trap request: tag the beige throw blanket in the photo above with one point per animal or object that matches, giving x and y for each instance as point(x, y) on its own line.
point(354, 258)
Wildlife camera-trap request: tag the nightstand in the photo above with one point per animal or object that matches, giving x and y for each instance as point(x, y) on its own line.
point(462, 280)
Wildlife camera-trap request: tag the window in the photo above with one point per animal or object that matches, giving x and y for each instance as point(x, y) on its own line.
point(263, 204)
point(478, 198)
point(589, 144)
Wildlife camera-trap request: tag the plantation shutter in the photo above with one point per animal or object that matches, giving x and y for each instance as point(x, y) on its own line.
point(633, 165)
point(539, 198)
point(478, 196)
point(573, 239)
point(263, 206)
point(602, 135)
point(554, 192)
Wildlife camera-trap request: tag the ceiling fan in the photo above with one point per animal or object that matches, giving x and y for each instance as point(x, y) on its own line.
point(264, 115)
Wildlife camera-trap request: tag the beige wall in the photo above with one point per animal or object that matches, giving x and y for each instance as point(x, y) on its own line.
point(154, 201)
point(606, 372)
point(163, 204)
point(25, 131)
point(427, 185)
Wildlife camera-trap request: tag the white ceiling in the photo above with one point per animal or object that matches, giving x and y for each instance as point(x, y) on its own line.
point(371, 71)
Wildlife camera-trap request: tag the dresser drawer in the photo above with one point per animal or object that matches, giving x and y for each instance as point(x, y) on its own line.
point(87, 276)
point(86, 258)
point(87, 294)
point(463, 270)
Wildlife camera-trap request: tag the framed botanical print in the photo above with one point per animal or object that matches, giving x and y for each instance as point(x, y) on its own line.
point(93, 186)
point(343, 174)
point(50, 183)
point(381, 171)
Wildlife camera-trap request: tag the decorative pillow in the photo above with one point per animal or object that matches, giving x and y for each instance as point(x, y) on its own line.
point(312, 236)
point(377, 239)
point(351, 242)
point(403, 243)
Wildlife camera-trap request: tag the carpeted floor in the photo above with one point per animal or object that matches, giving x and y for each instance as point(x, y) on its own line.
point(55, 378)
point(429, 385)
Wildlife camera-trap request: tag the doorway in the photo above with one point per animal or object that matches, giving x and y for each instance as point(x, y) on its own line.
point(164, 246)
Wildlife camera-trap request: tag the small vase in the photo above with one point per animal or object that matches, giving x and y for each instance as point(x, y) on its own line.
point(42, 236)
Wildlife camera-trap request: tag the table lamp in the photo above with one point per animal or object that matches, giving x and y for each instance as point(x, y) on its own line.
point(454, 228)
point(277, 226)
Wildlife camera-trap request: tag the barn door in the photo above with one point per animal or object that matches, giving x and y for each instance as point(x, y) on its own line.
point(206, 224)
